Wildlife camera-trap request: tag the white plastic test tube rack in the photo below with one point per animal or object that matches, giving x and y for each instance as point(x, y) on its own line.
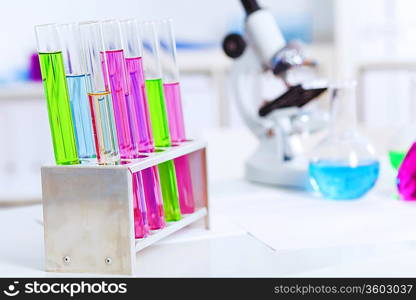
point(88, 212)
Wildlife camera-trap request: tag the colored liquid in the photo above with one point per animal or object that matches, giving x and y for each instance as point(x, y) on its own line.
point(141, 125)
point(184, 179)
point(336, 180)
point(158, 114)
point(177, 134)
point(396, 158)
point(104, 129)
point(175, 114)
point(153, 197)
point(59, 110)
point(129, 124)
point(169, 191)
point(141, 228)
point(117, 84)
point(406, 175)
point(160, 129)
point(140, 109)
point(81, 115)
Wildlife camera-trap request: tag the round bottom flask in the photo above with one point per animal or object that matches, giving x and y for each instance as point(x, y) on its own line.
point(343, 165)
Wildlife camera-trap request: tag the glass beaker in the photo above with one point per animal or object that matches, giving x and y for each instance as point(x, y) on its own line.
point(343, 165)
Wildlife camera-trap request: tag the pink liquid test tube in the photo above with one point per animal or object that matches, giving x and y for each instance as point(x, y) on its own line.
point(175, 114)
point(117, 83)
point(141, 120)
point(141, 227)
point(173, 100)
point(114, 65)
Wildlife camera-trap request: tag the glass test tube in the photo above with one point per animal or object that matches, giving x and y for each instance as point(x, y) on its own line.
point(117, 83)
point(141, 225)
point(114, 64)
point(56, 93)
point(134, 65)
point(171, 87)
point(76, 80)
point(170, 72)
point(140, 120)
point(160, 129)
point(99, 97)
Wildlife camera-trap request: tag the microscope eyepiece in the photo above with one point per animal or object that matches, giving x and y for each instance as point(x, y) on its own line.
point(250, 6)
point(234, 45)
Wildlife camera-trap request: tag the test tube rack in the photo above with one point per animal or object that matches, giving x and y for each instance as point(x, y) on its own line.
point(88, 212)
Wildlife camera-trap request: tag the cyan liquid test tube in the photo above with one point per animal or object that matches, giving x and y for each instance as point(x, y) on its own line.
point(76, 77)
point(173, 101)
point(157, 108)
point(140, 120)
point(56, 93)
point(114, 64)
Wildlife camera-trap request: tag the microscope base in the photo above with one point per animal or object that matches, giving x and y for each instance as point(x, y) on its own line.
point(292, 174)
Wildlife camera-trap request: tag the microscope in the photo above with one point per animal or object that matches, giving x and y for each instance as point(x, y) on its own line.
point(278, 124)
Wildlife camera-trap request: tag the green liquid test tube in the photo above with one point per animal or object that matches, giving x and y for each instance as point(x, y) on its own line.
point(160, 129)
point(158, 118)
point(57, 97)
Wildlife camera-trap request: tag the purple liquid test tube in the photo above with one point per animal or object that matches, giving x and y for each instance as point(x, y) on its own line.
point(140, 121)
point(173, 100)
point(113, 59)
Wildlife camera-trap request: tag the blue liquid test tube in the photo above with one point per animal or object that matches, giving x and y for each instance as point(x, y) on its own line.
point(76, 78)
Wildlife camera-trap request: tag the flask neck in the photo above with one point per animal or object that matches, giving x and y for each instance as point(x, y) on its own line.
point(343, 110)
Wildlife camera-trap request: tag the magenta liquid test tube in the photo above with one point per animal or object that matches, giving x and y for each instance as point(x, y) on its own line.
point(141, 228)
point(173, 100)
point(113, 63)
point(140, 120)
point(117, 83)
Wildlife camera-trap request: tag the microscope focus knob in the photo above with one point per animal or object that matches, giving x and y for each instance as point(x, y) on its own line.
point(234, 45)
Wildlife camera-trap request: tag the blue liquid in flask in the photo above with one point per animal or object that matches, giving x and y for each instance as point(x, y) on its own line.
point(337, 180)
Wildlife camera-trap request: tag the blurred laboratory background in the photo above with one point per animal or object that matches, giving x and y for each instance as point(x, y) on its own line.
point(378, 49)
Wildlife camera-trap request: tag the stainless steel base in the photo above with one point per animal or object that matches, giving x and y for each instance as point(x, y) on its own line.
point(88, 212)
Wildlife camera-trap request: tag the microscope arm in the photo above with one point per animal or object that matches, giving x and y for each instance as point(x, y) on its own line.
point(245, 80)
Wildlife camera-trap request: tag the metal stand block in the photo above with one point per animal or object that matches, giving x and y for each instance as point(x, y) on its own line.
point(88, 212)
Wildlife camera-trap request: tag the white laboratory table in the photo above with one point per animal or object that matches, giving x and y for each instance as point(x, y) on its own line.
point(257, 231)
